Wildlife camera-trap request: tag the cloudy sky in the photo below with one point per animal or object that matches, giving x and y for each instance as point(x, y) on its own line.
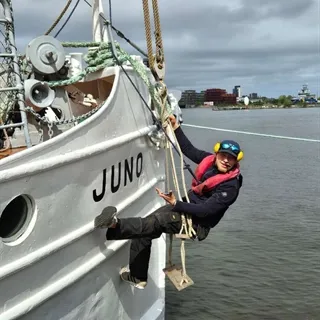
point(267, 46)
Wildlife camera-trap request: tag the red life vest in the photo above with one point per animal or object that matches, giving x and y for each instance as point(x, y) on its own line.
point(211, 182)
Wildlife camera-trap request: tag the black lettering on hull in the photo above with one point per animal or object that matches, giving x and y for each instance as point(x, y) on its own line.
point(120, 177)
point(99, 197)
point(115, 187)
point(139, 165)
point(128, 170)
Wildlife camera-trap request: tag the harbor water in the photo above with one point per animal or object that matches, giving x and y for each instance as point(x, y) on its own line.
point(263, 260)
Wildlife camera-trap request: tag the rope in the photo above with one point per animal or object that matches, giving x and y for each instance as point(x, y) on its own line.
point(186, 225)
point(103, 57)
point(161, 89)
point(118, 32)
point(143, 74)
point(100, 58)
point(68, 18)
point(59, 17)
point(110, 12)
point(158, 36)
point(147, 27)
point(191, 231)
point(168, 188)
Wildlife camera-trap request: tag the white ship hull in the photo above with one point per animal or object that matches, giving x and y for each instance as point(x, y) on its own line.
point(60, 267)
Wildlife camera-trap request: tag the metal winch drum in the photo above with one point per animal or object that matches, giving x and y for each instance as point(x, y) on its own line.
point(46, 54)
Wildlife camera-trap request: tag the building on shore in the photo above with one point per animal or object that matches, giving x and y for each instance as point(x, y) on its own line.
point(191, 99)
point(220, 96)
point(214, 96)
point(200, 98)
point(188, 99)
point(237, 91)
point(253, 96)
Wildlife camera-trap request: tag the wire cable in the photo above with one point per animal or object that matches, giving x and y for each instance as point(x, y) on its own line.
point(68, 18)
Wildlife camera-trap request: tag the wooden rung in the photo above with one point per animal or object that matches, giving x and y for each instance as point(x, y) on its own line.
point(174, 274)
point(182, 236)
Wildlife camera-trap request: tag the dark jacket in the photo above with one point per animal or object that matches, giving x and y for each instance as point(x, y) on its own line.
point(208, 209)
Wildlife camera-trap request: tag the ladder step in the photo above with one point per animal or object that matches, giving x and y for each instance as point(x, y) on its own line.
point(6, 55)
point(12, 125)
point(182, 236)
point(11, 89)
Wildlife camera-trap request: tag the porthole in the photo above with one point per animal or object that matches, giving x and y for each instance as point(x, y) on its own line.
point(16, 218)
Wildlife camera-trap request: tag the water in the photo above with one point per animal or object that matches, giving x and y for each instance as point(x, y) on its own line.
point(263, 260)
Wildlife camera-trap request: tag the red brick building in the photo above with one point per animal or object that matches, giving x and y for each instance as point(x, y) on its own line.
point(220, 96)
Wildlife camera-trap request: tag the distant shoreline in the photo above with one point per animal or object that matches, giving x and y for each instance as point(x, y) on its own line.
point(253, 107)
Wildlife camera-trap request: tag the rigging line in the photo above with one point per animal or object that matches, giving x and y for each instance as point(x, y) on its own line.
point(252, 133)
point(119, 33)
point(159, 124)
point(110, 13)
point(187, 166)
point(59, 17)
point(68, 18)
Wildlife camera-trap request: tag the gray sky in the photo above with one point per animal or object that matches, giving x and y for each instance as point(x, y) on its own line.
point(267, 46)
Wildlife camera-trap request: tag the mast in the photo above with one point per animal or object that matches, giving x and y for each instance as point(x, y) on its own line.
point(99, 29)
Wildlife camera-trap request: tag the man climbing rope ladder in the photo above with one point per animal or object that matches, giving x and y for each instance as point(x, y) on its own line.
point(220, 180)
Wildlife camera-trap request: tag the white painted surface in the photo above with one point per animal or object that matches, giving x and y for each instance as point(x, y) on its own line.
point(64, 269)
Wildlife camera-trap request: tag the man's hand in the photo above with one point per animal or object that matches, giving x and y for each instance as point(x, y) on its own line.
point(174, 122)
point(169, 197)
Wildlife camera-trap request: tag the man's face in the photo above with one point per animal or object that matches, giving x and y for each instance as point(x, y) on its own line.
point(225, 161)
